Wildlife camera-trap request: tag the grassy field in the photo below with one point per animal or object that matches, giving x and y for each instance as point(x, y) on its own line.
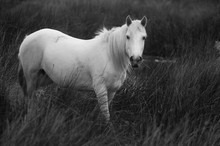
point(159, 104)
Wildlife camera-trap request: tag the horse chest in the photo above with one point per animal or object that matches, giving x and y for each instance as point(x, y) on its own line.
point(114, 81)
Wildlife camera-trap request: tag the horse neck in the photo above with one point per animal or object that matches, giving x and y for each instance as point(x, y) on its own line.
point(117, 49)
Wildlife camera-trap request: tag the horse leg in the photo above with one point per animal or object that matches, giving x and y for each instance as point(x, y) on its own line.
point(111, 95)
point(22, 80)
point(101, 93)
point(43, 79)
point(36, 80)
point(31, 83)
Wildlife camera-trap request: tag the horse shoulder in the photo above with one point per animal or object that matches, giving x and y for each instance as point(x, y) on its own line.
point(114, 79)
point(121, 79)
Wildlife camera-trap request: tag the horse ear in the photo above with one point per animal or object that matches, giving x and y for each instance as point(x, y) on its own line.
point(128, 20)
point(144, 21)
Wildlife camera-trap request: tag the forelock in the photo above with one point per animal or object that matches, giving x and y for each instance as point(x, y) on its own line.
point(136, 26)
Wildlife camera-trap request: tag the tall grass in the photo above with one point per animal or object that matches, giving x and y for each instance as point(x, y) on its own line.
point(173, 28)
point(161, 104)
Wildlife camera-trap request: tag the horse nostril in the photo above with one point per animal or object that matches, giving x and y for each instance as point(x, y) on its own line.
point(140, 59)
point(137, 59)
point(131, 58)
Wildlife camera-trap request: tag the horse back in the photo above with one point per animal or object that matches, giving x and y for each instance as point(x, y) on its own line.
point(33, 46)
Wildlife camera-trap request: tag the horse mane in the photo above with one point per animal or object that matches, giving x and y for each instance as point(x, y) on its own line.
point(115, 37)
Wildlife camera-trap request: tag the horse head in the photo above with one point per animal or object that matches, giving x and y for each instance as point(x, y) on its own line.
point(135, 39)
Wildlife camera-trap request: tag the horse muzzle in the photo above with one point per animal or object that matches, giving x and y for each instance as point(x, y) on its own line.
point(135, 61)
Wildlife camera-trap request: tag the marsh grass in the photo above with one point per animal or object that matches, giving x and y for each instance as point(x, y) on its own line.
point(159, 104)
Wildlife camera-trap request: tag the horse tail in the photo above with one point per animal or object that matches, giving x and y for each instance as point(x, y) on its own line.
point(21, 79)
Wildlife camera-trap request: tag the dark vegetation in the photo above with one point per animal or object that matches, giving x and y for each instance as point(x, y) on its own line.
point(159, 104)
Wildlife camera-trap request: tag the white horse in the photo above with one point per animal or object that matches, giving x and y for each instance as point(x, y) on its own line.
point(100, 64)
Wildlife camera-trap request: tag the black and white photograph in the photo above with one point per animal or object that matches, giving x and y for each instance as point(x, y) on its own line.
point(109, 72)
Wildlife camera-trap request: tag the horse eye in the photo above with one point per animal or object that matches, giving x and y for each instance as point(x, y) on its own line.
point(144, 38)
point(127, 37)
